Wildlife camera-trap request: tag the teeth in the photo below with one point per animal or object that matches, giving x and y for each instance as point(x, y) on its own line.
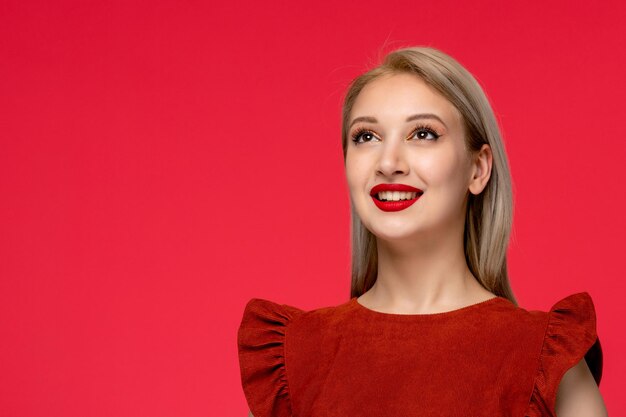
point(396, 195)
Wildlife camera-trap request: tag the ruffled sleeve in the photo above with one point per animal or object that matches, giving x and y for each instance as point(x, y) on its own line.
point(261, 346)
point(570, 336)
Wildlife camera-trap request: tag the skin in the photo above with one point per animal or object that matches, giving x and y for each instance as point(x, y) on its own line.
point(578, 394)
point(421, 262)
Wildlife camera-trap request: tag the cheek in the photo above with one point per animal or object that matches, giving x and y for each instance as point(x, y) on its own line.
point(443, 169)
point(356, 172)
point(352, 175)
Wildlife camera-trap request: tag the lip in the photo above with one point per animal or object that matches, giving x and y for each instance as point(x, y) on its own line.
point(393, 187)
point(394, 205)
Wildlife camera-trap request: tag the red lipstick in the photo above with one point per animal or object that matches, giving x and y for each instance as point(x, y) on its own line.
point(394, 205)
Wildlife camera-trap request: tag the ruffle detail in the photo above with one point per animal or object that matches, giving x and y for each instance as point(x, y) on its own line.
point(261, 346)
point(570, 336)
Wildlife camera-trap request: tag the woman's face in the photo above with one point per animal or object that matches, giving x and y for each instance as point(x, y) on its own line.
point(407, 133)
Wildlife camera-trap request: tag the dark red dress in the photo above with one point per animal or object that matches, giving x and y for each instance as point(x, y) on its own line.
point(486, 359)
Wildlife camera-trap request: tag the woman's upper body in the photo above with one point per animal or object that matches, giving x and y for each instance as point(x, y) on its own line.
point(431, 212)
point(491, 358)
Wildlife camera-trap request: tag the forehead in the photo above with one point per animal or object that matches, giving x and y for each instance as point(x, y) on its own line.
point(396, 96)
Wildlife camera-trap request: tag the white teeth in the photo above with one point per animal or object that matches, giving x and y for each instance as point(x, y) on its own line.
point(396, 195)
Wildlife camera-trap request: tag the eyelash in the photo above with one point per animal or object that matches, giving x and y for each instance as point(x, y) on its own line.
point(419, 128)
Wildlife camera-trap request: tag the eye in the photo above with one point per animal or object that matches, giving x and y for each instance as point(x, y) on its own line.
point(362, 135)
point(423, 131)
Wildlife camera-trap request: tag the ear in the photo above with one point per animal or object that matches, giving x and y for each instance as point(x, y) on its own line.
point(481, 169)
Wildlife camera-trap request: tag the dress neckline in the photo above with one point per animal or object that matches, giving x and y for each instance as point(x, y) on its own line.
point(408, 317)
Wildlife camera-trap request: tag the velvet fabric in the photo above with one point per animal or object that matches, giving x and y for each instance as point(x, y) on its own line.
point(486, 359)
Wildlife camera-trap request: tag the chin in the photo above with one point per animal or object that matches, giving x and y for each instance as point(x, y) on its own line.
point(393, 233)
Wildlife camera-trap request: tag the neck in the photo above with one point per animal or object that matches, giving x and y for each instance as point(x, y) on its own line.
point(425, 274)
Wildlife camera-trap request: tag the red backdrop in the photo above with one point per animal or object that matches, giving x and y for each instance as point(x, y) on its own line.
point(162, 162)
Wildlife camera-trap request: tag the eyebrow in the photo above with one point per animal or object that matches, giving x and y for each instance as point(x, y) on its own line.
point(372, 119)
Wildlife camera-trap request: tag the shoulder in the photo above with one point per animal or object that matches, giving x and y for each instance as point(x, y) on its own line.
point(264, 312)
point(261, 351)
point(570, 346)
point(270, 332)
point(259, 309)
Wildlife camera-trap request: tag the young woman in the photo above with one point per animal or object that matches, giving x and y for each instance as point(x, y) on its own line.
point(432, 327)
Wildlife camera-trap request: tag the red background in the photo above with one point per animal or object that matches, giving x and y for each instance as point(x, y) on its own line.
point(162, 162)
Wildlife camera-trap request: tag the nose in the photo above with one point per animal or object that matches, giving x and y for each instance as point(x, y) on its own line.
point(392, 159)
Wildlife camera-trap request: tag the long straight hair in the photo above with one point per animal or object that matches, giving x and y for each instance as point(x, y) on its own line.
point(489, 215)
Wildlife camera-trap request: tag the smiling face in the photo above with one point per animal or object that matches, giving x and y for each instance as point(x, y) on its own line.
point(402, 131)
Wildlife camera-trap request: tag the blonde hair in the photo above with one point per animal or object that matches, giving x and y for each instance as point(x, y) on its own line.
point(489, 215)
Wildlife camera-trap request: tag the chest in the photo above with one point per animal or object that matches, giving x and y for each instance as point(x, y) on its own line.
point(462, 369)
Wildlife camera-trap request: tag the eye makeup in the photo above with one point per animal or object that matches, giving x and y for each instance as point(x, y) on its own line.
point(420, 128)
